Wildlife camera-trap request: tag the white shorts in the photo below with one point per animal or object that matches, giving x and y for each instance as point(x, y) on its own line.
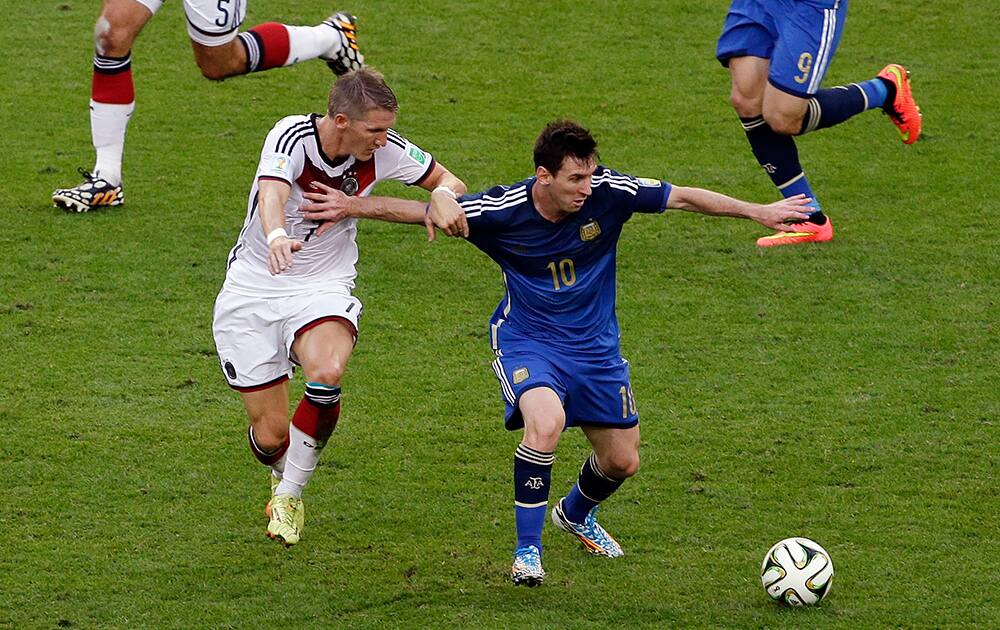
point(254, 336)
point(210, 22)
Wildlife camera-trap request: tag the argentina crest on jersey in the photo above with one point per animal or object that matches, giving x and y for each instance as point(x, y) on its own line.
point(590, 230)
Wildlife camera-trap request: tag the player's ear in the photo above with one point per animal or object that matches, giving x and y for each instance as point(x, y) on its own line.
point(543, 175)
point(341, 120)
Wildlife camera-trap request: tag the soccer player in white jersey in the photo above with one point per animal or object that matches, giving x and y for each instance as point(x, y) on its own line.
point(220, 51)
point(555, 332)
point(286, 299)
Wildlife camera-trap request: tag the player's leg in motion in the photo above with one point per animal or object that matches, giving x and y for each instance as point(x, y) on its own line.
point(112, 100)
point(268, 430)
point(615, 459)
point(777, 67)
point(323, 352)
point(220, 51)
point(544, 420)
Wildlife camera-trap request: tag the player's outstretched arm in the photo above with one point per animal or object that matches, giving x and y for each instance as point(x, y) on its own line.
point(776, 216)
point(329, 205)
point(444, 211)
point(273, 195)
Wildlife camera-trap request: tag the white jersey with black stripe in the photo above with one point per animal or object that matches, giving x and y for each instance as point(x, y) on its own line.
point(292, 154)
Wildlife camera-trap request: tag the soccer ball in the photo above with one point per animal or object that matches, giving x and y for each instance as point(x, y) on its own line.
point(797, 571)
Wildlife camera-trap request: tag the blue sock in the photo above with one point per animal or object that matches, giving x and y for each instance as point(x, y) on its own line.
point(835, 105)
point(779, 157)
point(532, 479)
point(592, 487)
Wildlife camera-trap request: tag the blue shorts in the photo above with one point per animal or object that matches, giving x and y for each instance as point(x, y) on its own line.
point(593, 392)
point(799, 37)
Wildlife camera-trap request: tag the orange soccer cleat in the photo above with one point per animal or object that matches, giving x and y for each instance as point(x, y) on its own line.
point(806, 232)
point(903, 110)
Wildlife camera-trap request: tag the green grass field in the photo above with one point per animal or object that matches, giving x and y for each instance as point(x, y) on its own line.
point(846, 392)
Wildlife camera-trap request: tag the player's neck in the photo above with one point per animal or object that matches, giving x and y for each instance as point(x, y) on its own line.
point(545, 205)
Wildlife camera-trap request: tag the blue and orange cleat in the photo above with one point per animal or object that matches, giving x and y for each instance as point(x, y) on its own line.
point(805, 232)
point(903, 110)
point(593, 537)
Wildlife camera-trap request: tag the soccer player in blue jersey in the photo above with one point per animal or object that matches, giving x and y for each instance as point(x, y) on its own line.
point(777, 52)
point(555, 333)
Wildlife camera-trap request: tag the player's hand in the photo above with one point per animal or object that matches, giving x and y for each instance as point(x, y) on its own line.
point(326, 205)
point(445, 213)
point(279, 254)
point(782, 215)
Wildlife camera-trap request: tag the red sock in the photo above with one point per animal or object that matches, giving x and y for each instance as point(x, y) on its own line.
point(318, 422)
point(112, 82)
point(267, 46)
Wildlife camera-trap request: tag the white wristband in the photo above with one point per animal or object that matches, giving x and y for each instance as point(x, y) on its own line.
point(276, 233)
point(451, 193)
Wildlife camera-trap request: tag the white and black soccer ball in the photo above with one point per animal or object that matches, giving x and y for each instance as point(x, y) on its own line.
point(797, 571)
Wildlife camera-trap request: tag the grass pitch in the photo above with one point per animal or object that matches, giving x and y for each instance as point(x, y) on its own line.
point(845, 392)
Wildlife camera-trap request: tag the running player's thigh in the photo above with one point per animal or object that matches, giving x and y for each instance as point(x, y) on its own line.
point(749, 78)
point(323, 350)
point(544, 418)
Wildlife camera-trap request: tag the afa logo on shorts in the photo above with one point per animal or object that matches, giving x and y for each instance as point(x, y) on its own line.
point(418, 156)
point(520, 375)
point(230, 370)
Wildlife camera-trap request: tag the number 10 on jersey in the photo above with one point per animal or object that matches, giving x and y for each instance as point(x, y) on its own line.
point(563, 273)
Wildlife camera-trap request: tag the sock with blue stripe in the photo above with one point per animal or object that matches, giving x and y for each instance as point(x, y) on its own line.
point(592, 487)
point(779, 157)
point(532, 479)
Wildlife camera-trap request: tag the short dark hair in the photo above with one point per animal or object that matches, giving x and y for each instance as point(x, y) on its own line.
point(358, 92)
point(560, 139)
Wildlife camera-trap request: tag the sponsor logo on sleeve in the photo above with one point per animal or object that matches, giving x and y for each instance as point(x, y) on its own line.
point(417, 155)
point(649, 182)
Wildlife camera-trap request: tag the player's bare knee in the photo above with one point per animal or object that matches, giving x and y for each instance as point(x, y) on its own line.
point(746, 105)
point(543, 433)
point(211, 69)
point(111, 38)
point(219, 62)
point(328, 374)
point(782, 122)
point(621, 465)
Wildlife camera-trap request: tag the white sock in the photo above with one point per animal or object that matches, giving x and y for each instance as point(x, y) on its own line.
point(309, 42)
point(107, 130)
point(300, 462)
